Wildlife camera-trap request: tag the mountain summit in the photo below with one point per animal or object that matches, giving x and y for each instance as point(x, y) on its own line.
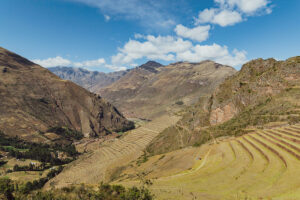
point(151, 66)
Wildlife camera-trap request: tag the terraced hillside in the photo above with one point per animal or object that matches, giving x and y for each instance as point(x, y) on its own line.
point(102, 160)
point(264, 164)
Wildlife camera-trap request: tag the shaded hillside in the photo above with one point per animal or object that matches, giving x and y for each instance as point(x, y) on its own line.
point(152, 89)
point(32, 100)
point(90, 80)
point(262, 92)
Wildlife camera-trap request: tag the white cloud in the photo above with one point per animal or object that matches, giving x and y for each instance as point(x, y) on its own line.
point(90, 63)
point(172, 49)
point(230, 12)
point(107, 17)
point(199, 33)
point(53, 62)
point(213, 52)
point(138, 36)
point(160, 47)
point(245, 6)
point(220, 17)
point(227, 18)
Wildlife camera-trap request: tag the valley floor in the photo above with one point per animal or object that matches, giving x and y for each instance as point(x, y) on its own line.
point(103, 159)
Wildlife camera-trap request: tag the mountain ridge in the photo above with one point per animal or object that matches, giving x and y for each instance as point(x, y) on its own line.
point(33, 100)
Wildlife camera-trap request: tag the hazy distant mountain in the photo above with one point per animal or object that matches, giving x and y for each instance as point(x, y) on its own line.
point(33, 99)
point(91, 80)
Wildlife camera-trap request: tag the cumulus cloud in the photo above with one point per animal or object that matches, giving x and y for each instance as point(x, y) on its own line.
point(230, 12)
point(169, 48)
point(245, 6)
point(160, 47)
point(220, 17)
point(213, 52)
point(53, 62)
point(199, 33)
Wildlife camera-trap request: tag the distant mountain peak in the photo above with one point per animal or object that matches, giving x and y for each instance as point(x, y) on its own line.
point(151, 66)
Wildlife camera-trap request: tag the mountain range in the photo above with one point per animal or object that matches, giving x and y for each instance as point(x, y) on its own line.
point(153, 89)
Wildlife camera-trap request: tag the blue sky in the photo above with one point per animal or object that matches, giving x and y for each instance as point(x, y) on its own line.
point(109, 35)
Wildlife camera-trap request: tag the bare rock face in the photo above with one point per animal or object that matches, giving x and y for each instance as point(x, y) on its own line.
point(223, 114)
point(32, 99)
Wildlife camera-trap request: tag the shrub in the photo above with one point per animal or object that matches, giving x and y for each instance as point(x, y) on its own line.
point(6, 188)
point(179, 103)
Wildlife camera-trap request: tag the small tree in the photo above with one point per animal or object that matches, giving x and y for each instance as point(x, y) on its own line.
point(6, 188)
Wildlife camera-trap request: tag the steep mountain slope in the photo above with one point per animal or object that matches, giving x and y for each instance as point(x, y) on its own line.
point(152, 89)
point(32, 99)
point(90, 80)
point(261, 93)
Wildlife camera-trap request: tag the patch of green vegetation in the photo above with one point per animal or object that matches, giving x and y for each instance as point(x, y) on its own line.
point(2, 162)
point(105, 192)
point(179, 103)
point(6, 188)
point(9, 188)
point(142, 159)
point(161, 157)
point(11, 148)
point(42, 152)
point(130, 126)
point(31, 167)
point(117, 172)
point(66, 132)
